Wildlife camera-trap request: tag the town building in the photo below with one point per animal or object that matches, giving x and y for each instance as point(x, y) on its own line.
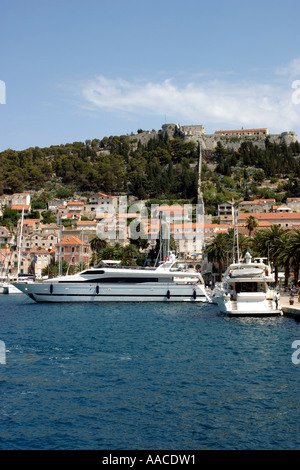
point(5, 255)
point(285, 219)
point(75, 209)
point(257, 205)
point(6, 236)
point(101, 203)
point(18, 199)
point(38, 240)
point(40, 258)
point(226, 212)
point(28, 226)
point(293, 203)
point(11, 260)
point(84, 230)
point(242, 132)
point(73, 250)
point(22, 207)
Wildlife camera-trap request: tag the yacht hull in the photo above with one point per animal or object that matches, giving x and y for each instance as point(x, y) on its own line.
point(167, 292)
point(251, 309)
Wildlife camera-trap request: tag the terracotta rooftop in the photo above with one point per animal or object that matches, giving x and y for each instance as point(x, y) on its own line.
point(41, 251)
point(272, 216)
point(105, 195)
point(263, 129)
point(71, 240)
point(19, 207)
point(30, 222)
point(75, 203)
point(86, 222)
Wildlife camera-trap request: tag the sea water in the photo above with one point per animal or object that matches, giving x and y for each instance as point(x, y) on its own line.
point(145, 376)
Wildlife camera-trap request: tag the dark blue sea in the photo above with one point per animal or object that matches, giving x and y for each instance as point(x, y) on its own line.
point(145, 376)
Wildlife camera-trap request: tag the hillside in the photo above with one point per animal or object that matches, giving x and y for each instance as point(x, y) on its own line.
point(163, 168)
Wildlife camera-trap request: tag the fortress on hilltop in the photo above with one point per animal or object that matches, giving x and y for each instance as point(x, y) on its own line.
point(228, 138)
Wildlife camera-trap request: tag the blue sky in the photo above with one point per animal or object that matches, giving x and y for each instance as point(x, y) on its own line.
point(73, 70)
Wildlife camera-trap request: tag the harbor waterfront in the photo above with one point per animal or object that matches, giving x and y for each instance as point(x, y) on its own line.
point(290, 308)
point(144, 376)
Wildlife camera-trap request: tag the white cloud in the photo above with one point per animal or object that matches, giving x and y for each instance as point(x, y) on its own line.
point(211, 103)
point(291, 70)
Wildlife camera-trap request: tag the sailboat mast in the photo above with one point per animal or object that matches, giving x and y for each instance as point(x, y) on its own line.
point(237, 236)
point(20, 241)
point(233, 247)
point(59, 258)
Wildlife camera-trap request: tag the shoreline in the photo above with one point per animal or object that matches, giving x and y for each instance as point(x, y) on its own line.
point(288, 310)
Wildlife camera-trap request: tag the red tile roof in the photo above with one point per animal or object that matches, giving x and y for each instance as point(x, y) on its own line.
point(86, 222)
point(71, 240)
point(19, 207)
point(271, 216)
point(75, 203)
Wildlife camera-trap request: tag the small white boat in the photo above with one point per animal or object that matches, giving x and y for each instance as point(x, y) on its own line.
point(107, 283)
point(247, 289)
point(9, 288)
point(6, 286)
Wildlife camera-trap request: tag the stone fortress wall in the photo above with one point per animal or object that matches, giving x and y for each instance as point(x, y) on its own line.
point(229, 139)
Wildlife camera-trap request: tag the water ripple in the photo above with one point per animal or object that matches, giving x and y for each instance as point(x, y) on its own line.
point(145, 377)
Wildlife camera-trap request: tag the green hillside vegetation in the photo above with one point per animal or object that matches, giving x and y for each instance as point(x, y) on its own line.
point(163, 169)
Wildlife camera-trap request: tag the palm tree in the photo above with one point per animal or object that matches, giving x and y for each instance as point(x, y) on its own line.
point(284, 255)
point(267, 243)
point(251, 224)
point(294, 252)
point(129, 252)
point(217, 251)
point(52, 269)
point(79, 267)
point(112, 252)
point(97, 244)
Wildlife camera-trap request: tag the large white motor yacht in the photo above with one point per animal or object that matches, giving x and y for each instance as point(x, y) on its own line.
point(168, 282)
point(247, 289)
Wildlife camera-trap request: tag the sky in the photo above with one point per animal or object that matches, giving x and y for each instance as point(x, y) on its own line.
point(72, 70)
